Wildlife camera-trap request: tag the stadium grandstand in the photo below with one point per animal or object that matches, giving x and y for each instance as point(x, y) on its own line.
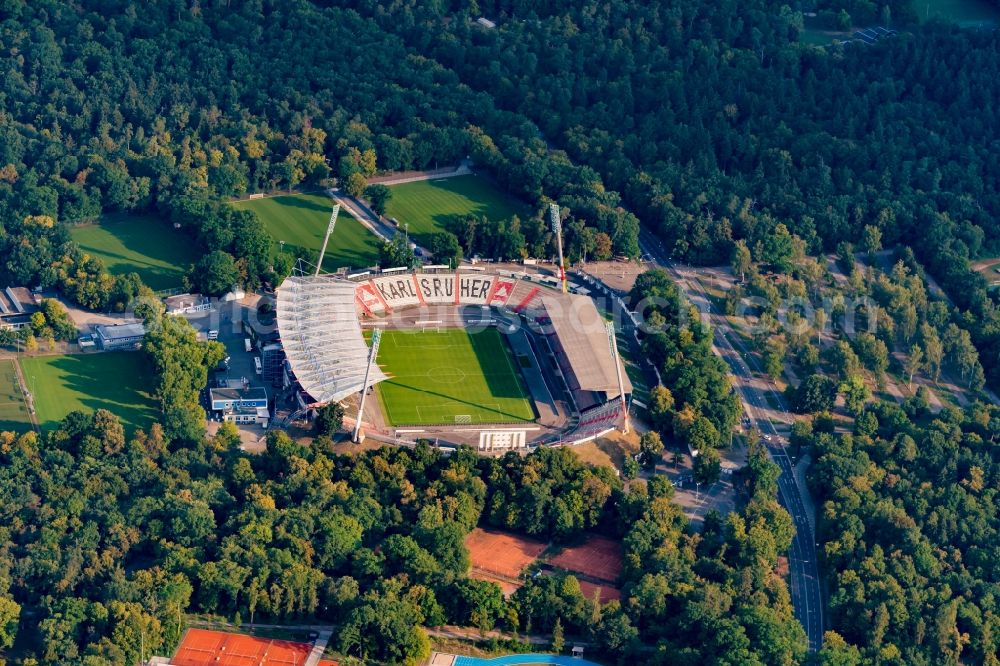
point(322, 338)
point(321, 320)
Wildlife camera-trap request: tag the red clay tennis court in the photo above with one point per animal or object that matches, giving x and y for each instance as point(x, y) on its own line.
point(201, 647)
point(500, 553)
point(598, 557)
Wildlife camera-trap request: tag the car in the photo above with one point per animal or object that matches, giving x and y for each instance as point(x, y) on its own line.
point(213, 334)
point(768, 438)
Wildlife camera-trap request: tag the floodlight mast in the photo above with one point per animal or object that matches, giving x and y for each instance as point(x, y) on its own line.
point(372, 354)
point(326, 239)
point(557, 230)
point(613, 341)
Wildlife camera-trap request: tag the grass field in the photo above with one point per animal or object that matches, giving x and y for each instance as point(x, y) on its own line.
point(300, 220)
point(143, 244)
point(115, 381)
point(425, 205)
point(449, 377)
point(13, 411)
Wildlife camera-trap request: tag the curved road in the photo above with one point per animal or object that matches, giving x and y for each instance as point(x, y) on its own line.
point(804, 586)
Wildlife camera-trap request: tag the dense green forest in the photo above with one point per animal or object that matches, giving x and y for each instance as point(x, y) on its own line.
point(175, 106)
point(909, 523)
point(711, 122)
point(715, 123)
point(106, 541)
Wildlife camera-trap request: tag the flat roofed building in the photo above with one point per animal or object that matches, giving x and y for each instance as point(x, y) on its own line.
point(241, 405)
point(16, 307)
point(187, 303)
point(119, 336)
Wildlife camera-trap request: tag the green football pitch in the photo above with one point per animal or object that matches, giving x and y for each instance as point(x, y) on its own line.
point(300, 221)
point(450, 377)
point(427, 204)
point(13, 410)
point(116, 381)
point(143, 244)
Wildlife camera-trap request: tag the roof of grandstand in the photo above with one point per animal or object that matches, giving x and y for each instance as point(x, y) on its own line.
point(583, 337)
point(322, 337)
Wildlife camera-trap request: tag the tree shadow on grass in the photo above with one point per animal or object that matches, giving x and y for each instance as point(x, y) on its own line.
point(293, 201)
point(115, 381)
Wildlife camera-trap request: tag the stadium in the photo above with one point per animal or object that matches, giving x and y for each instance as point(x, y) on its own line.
point(496, 359)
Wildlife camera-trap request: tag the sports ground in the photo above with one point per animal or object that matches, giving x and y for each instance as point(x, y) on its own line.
point(143, 244)
point(450, 376)
point(300, 220)
point(13, 410)
point(113, 380)
point(427, 204)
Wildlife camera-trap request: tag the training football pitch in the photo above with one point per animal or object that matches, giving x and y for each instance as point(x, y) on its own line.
point(450, 377)
point(116, 381)
point(427, 204)
point(143, 244)
point(300, 221)
point(13, 410)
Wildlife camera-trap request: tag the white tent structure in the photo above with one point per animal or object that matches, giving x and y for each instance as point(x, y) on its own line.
point(322, 338)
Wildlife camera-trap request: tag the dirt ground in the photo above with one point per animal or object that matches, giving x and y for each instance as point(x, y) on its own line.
point(619, 275)
point(609, 451)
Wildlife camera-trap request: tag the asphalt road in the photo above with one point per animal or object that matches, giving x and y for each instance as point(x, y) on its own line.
point(804, 585)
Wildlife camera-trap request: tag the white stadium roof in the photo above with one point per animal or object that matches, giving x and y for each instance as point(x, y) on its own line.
point(322, 338)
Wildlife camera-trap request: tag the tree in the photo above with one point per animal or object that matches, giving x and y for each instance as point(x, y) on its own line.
point(378, 196)
point(10, 613)
point(661, 408)
point(630, 468)
point(914, 361)
point(603, 248)
point(703, 435)
point(446, 249)
point(856, 394)
point(651, 447)
point(871, 240)
point(742, 262)
point(707, 466)
point(820, 321)
point(558, 641)
point(816, 393)
point(329, 419)
point(776, 249)
point(774, 357)
point(396, 253)
point(215, 274)
point(355, 185)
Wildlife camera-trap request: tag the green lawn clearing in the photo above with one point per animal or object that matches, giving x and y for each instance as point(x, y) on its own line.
point(143, 244)
point(450, 377)
point(116, 381)
point(13, 410)
point(300, 221)
point(427, 204)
